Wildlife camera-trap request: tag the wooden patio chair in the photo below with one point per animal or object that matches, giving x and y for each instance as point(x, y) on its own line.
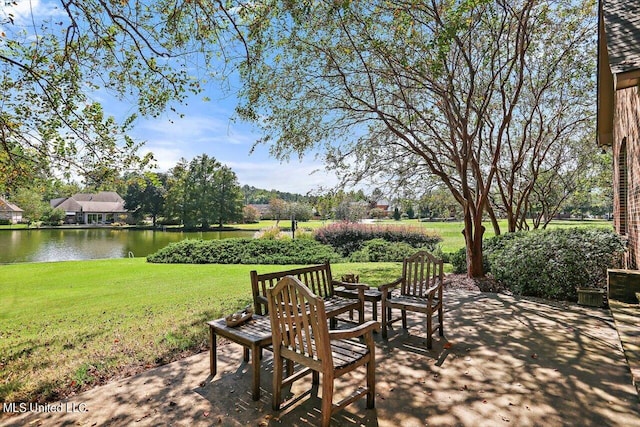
point(420, 290)
point(301, 335)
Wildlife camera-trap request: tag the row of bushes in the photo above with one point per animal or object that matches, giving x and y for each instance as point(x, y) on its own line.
point(245, 251)
point(339, 242)
point(549, 263)
point(380, 250)
point(274, 251)
point(347, 238)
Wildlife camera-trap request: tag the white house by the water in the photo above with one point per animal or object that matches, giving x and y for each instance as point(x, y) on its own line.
point(105, 207)
point(9, 211)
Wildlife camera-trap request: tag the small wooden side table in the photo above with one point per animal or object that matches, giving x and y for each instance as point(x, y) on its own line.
point(372, 295)
point(254, 335)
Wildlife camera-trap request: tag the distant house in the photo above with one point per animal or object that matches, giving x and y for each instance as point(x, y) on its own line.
point(105, 207)
point(262, 208)
point(383, 204)
point(9, 211)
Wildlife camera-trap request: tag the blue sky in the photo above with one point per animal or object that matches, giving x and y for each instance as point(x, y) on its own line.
point(207, 127)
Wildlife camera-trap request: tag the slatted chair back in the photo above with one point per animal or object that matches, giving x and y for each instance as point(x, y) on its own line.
point(299, 324)
point(316, 277)
point(421, 272)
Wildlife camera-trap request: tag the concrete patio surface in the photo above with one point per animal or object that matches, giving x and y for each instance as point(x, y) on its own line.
point(504, 361)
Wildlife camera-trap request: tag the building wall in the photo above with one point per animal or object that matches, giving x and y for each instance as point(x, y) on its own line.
point(626, 171)
point(14, 217)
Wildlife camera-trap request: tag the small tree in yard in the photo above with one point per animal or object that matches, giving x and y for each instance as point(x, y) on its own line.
point(250, 214)
point(396, 214)
point(278, 209)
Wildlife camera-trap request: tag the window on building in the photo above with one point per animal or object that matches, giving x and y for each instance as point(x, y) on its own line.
point(623, 184)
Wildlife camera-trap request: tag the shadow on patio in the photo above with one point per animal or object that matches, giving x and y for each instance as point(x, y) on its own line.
point(510, 361)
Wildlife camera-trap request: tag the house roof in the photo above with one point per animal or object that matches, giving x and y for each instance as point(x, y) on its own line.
point(6, 206)
point(622, 32)
point(101, 197)
point(104, 201)
point(618, 58)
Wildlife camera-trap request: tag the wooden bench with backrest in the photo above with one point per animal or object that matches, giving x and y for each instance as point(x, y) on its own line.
point(420, 290)
point(317, 278)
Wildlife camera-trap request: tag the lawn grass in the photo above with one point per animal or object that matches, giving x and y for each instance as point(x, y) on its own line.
point(14, 226)
point(67, 326)
point(450, 231)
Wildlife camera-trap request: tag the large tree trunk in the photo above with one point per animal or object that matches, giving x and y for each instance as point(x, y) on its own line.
point(473, 232)
point(494, 219)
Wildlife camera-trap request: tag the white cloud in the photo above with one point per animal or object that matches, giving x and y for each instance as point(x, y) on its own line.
point(293, 177)
point(230, 144)
point(23, 12)
point(166, 158)
point(194, 130)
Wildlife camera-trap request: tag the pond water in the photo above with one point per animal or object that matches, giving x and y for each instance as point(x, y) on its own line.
point(94, 243)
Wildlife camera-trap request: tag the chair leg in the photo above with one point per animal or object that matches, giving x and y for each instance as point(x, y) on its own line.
point(277, 383)
point(386, 315)
point(441, 319)
point(327, 399)
point(404, 319)
point(371, 381)
point(429, 329)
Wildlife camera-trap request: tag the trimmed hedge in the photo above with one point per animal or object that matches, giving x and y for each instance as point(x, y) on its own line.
point(347, 238)
point(379, 250)
point(553, 263)
point(244, 251)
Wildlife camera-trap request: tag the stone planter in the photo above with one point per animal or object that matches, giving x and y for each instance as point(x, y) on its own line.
point(591, 297)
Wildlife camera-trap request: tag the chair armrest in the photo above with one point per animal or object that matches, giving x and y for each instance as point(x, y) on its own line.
point(386, 287)
point(354, 332)
point(390, 285)
point(260, 299)
point(433, 289)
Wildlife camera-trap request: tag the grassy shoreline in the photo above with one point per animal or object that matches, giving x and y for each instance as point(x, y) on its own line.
point(68, 326)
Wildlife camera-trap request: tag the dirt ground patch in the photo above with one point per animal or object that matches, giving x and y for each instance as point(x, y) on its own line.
point(460, 282)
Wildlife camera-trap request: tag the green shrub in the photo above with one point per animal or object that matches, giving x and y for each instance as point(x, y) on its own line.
point(458, 260)
point(553, 263)
point(5, 221)
point(437, 252)
point(379, 250)
point(245, 251)
point(490, 246)
point(347, 238)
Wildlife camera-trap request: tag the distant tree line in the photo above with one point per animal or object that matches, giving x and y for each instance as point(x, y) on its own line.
point(196, 194)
